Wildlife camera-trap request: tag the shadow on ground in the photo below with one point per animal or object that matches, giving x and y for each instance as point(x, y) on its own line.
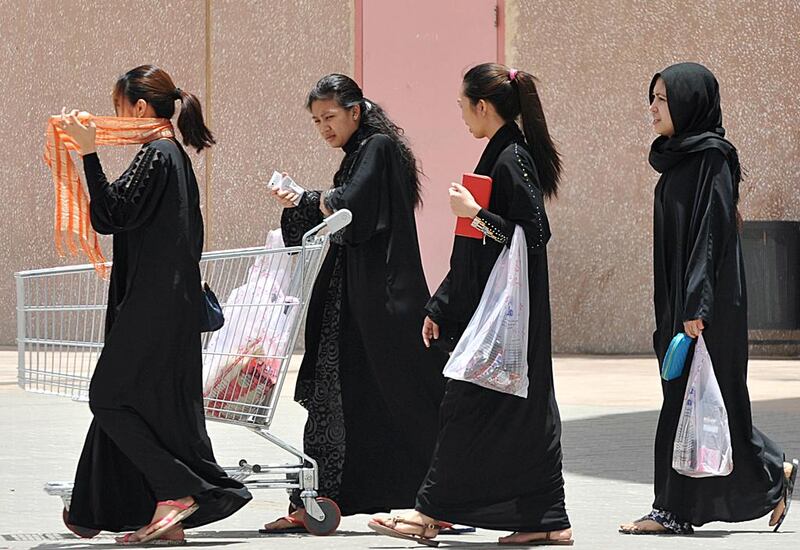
point(620, 446)
point(200, 538)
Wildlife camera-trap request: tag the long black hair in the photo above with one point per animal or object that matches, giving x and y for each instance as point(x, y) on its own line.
point(348, 94)
point(513, 94)
point(156, 87)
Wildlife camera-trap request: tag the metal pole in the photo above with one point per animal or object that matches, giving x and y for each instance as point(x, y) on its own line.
point(20, 330)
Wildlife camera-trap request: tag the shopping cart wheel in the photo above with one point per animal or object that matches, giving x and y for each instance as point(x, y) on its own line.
point(82, 532)
point(329, 523)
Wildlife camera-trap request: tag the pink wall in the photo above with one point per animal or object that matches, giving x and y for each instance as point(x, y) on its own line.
point(413, 56)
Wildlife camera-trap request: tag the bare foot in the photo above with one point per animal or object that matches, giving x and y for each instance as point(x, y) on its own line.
point(173, 534)
point(524, 538)
point(776, 513)
point(283, 523)
point(643, 526)
point(413, 523)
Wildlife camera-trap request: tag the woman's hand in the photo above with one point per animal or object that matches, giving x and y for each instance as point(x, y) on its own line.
point(284, 197)
point(693, 328)
point(83, 135)
point(430, 331)
point(462, 203)
point(323, 207)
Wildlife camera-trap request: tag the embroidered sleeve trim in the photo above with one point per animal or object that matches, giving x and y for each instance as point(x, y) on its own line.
point(130, 186)
point(326, 198)
point(537, 237)
point(489, 230)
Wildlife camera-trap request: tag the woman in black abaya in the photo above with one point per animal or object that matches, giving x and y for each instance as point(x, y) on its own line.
point(700, 289)
point(371, 389)
point(147, 464)
point(497, 463)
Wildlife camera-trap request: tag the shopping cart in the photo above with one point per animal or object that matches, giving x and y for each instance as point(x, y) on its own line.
point(61, 324)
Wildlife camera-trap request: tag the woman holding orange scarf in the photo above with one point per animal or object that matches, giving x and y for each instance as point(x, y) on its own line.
point(147, 465)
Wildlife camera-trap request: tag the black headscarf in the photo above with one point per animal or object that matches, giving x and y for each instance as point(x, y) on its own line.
point(694, 105)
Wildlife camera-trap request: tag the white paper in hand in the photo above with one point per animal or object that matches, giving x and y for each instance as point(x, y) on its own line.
point(285, 183)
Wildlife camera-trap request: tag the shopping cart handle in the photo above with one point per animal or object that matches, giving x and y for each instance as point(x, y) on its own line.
point(334, 222)
point(338, 220)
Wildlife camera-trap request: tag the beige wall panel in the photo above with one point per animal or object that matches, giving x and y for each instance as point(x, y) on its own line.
point(595, 61)
point(266, 56)
point(55, 54)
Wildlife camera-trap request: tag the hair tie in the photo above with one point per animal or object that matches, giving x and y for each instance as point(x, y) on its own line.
point(512, 74)
point(178, 94)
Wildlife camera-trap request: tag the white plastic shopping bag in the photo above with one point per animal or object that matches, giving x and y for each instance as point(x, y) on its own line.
point(260, 309)
point(493, 351)
point(702, 445)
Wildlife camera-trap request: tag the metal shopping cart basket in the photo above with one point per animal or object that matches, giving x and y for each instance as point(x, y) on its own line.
point(61, 324)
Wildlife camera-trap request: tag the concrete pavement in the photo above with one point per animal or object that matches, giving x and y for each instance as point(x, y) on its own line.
point(609, 409)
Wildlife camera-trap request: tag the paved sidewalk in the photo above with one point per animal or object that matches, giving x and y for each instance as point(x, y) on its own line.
point(609, 410)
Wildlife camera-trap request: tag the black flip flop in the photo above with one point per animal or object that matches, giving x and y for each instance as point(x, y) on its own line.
point(457, 530)
point(788, 490)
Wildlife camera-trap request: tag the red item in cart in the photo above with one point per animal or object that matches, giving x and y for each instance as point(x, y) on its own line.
point(243, 384)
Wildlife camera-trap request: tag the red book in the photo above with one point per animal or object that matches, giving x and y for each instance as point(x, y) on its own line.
point(481, 189)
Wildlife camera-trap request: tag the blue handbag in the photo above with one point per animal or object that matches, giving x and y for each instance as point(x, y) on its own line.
point(211, 317)
point(675, 359)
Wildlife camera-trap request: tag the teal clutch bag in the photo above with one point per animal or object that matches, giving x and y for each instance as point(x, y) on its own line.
point(675, 359)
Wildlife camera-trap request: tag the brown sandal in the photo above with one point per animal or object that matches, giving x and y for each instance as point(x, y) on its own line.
point(296, 525)
point(546, 541)
point(379, 526)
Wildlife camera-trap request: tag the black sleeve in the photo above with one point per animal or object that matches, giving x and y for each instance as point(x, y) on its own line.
point(437, 305)
point(296, 221)
point(437, 309)
point(713, 225)
point(128, 202)
point(516, 177)
point(365, 193)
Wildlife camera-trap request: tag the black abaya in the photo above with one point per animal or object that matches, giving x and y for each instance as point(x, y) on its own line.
point(371, 389)
point(148, 441)
point(497, 463)
point(699, 274)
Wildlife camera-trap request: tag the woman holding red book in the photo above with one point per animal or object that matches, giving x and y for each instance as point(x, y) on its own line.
point(497, 463)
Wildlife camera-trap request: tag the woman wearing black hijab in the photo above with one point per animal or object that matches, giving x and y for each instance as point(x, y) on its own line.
point(700, 289)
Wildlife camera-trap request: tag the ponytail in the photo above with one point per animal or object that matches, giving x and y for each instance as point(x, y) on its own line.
point(534, 125)
point(514, 95)
point(193, 128)
point(156, 87)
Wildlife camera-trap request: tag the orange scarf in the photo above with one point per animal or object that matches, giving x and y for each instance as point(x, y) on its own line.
point(73, 225)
